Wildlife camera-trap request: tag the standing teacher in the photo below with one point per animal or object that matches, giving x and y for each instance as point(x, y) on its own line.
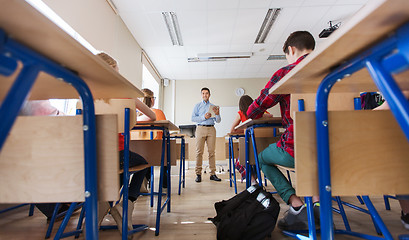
point(206, 115)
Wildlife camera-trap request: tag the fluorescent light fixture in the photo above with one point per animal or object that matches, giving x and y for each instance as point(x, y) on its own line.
point(171, 21)
point(214, 57)
point(112, 5)
point(196, 59)
point(276, 57)
point(268, 22)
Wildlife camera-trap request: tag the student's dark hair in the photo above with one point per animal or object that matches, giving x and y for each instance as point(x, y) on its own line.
point(244, 103)
point(302, 40)
point(205, 88)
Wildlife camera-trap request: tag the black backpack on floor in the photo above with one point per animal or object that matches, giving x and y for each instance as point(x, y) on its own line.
point(251, 214)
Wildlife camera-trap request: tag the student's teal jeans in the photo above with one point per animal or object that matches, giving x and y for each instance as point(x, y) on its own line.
point(270, 157)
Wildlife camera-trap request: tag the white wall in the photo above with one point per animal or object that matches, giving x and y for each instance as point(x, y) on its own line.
point(187, 94)
point(96, 22)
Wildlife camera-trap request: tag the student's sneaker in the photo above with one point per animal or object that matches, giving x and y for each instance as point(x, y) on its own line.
point(405, 220)
point(103, 209)
point(116, 213)
point(294, 220)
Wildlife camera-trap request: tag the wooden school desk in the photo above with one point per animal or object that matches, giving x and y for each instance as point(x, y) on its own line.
point(370, 47)
point(165, 126)
point(249, 126)
point(35, 50)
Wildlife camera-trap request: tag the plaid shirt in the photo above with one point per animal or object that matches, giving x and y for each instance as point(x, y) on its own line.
point(266, 100)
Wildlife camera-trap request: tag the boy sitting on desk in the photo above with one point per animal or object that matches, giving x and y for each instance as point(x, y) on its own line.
point(297, 46)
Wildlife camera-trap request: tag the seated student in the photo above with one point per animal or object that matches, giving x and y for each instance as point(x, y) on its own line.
point(244, 103)
point(297, 46)
point(403, 199)
point(134, 160)
point(149, 100)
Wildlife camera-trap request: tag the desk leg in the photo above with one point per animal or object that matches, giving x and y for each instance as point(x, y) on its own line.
point(162, 169)
point(248, 170)
point(253, 139)
point(327, 231)
point(168, 169)
point(234, 167)
point(15, 98)
point(125, 188)
point(90, 156)
point(184, 159)
point(152, 193)
point(230, 162)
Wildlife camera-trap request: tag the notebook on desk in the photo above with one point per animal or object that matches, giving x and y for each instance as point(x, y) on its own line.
point(243, 123)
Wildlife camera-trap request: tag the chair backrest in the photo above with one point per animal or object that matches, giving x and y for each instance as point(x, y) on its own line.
point(235, 148)
point(115, 106)
point(151, 150)
point(261, 143)
point(178, 145)
point(336, 101)
point(368, 154)
point(42, 160)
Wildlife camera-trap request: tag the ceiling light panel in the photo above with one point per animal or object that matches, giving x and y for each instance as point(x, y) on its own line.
point(267, 24)
point(172, 25)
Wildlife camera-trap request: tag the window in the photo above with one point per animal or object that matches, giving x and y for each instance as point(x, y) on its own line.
point(148, 81)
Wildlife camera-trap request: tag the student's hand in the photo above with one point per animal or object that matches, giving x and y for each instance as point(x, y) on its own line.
point(208, 115)
point(216, 110)
point(267, 115)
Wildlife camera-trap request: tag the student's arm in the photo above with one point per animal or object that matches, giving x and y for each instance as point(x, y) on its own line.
point(267, 115)
point(145, 110)
point(195, 115)
point(236, 122)
point(266, 100)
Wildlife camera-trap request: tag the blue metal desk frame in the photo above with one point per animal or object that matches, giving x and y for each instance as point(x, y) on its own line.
point(182, 161)
point(33, 63)
point(249, 133)
point(165, 144)
point(232, 170)
point(387, 57)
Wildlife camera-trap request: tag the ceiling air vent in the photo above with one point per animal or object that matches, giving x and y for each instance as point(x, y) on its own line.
point(276, 57)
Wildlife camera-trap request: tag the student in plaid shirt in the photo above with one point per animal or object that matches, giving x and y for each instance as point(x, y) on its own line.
point(297, 46)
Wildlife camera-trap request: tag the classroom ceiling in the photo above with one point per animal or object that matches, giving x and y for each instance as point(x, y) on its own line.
point(225, 26)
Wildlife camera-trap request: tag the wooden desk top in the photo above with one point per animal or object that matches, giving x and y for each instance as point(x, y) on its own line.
point(251, 122)
point(369, 25)
point(162, 123)
point(29, 27)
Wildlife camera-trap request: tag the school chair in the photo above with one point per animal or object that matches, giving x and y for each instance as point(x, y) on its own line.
point(119, 109)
